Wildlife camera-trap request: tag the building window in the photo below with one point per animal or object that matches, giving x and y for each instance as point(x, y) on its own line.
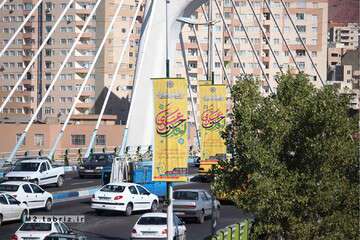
point(100, 140)
point(39, 139)
point(301, 65)
point(18, 136)
point(300, 16)
point(301, 28)
point(78, 140)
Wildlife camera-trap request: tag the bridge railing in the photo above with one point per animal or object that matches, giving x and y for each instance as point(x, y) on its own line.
point(70, 155)
point(238, 231)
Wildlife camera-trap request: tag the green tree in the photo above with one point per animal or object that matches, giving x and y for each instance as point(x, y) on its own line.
point(295, 164)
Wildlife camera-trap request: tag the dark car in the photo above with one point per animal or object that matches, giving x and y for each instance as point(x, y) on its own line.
point(65, 236)
point(93, 165)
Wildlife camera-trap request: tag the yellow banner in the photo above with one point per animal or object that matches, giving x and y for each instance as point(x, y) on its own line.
point(212, 119)
point(170, 141)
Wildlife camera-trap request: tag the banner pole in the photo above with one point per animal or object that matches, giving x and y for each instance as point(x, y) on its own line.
point(168, 184)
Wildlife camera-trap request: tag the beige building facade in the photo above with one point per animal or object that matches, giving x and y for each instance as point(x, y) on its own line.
point(310, 19)
point(76, 137)
point(38, 79)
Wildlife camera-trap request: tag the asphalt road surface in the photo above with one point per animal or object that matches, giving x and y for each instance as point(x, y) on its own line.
point(116, 226)
point(73, 182)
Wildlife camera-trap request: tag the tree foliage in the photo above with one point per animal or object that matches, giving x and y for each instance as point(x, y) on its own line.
point(295, 165)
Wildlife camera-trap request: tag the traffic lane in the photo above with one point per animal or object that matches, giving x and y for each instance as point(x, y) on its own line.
point(116, 226)
point(113, 225)
point(74, 182)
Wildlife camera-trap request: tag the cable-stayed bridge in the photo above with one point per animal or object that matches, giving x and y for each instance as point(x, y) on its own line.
point(161, 33)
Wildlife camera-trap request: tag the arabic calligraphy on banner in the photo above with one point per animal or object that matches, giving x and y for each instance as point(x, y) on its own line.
point(213, 121)
point(170, 141)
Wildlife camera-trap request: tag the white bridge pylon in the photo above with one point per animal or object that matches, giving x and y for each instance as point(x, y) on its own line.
point(151, 63)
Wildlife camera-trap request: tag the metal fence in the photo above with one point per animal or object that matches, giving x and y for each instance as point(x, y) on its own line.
point(238, 231)
point(73, 155)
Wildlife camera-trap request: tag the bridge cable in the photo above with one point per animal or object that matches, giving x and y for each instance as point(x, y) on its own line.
point(227, 29)
point(192, 26)
point(218, 53)
point(20, 28)
point(139, 65)
point(38, 109)
point(189, 89)
point(223, 66)
point(263, 33)
point(83, 85)
point(302, 42)
point(231, 38)
point(2, 4)
point(282, 36)
point(117, 69)
point(35, 56)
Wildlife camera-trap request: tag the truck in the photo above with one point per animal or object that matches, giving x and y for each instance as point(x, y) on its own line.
point(140, 173)
point(38, 170)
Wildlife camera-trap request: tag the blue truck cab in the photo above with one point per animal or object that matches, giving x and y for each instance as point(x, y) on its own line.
point(140, 173)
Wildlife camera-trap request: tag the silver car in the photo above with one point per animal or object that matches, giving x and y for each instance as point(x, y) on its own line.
point(195, 203)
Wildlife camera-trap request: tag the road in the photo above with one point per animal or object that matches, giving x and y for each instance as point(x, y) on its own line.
point(116, 226)
point(73, 182)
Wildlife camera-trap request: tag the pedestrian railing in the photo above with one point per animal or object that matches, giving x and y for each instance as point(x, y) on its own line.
point(238, 231)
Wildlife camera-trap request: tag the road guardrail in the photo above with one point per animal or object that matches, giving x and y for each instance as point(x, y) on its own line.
point(238, 231)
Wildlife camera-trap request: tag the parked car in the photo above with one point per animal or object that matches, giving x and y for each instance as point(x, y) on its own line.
point(39, 230)
point(39, 171)
point(124, 197)
point(194, 203)
point(154, 226)
point(28, 193)
point(11, 209)
point(93, 165)
point(65, 236)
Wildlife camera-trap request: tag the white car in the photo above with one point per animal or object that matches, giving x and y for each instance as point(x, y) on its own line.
point(11, 209)
point(39, 171)
point(29, 193)
point(154, 226)
point(38, 230)
point(125, 197)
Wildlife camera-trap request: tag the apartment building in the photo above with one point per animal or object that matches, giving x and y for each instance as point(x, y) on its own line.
point(119, 100)
point(310, 19)
point(344, 35)
point(38, 79)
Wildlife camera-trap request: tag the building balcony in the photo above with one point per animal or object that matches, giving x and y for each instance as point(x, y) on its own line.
point(265, 59)
point(82, 106)
point(87, 93)
point(85, 46)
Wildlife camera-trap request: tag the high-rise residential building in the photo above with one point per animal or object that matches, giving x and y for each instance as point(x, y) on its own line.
point(121, 93)
point(310, 19)
point(344, 35)
point(37, 80)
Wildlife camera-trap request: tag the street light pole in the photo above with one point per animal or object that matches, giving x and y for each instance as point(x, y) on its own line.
point(210, 67)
